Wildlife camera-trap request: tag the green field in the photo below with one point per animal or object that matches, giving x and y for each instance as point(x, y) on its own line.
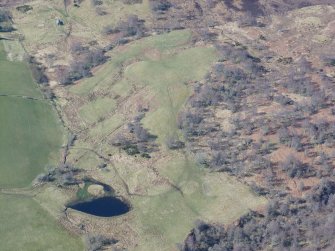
point(29, 129)
point(25, 226)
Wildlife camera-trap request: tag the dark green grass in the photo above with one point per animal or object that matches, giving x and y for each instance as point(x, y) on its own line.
point(30, 135)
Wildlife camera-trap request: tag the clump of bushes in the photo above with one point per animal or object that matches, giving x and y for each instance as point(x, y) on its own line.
point(6, 21)
point(132, 1)
point(96, 2)
point(328, 60)
point(295, 168)
point(133, 26)
point(63, 175)
point(24, 8)
point(85, 60)
point(98, 242)
point(160, 5)
point(38, 70)
point(174, 143)
point(287, 224)
point(136, 140)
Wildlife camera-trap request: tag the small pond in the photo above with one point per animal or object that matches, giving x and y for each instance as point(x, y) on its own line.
point(103, 207)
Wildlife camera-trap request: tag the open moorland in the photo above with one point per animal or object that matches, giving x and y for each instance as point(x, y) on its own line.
point(212, 121)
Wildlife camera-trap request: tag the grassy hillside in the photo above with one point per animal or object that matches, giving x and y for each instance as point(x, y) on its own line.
point(189, 110)
point(163, 220)
point(156, 72)
point(168, 79)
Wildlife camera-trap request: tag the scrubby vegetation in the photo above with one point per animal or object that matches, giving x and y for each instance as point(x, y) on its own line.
point(160, 5)
point(132, 1)
point(137, 139)
point(290, 223)
point(277, 137)
point(37, 70)
point(99, 242)
point(84, 60)
point(236, 82)
point(133, 26)
point(63, 175)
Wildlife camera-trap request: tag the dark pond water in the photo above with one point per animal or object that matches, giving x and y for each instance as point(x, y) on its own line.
point(103, 207)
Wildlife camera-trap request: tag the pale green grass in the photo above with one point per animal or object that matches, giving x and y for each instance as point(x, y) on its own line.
point(3, 54)
point(30, 134)
point(16, 78)
point(104, 128)
point(83, 158)
point(168, 78)
point(97, 109)
point(39, 25)
point(14, 50)
point(122, 88)
point(105, 76)
point(87, 17)
point(25, 226)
